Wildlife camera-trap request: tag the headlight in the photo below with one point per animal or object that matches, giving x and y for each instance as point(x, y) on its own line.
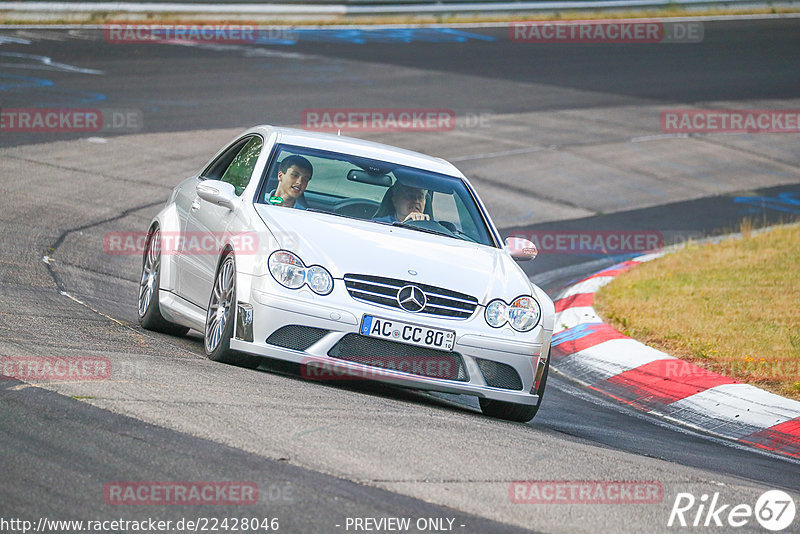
point(291, 272)
point(287, 269)
point(496, 313)
point(319, 280)
point(522, 314)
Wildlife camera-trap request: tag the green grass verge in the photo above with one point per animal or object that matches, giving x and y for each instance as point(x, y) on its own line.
point(731, 307)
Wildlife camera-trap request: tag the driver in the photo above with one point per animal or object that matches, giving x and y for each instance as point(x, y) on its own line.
point(294, 173)
point(408, 203)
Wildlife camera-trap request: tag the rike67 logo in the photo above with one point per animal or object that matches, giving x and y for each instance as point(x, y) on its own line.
point(774, 510)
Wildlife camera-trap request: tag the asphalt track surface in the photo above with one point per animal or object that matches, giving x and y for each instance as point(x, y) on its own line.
point(323, 452)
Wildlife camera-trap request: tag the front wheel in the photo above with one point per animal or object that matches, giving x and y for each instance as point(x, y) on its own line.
point(221, 316)
point(509, 411)
point(149, 313)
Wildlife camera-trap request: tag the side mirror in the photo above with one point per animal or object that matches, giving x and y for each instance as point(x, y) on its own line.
point(217, 192)
point(521, 249)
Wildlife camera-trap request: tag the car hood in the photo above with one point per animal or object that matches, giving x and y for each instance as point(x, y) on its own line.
point(351, 246)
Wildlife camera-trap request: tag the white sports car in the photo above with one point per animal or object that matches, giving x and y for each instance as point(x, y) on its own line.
point(353, 259)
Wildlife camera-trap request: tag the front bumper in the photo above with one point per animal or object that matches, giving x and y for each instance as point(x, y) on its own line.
point(271, 308)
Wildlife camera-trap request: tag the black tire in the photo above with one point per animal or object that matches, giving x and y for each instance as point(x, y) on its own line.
point(521, 413)
point(149, 313)
point(219, 324)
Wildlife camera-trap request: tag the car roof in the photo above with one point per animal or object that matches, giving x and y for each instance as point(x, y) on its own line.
point(358, 147)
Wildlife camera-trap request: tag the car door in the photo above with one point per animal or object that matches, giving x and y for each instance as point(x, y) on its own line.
point(207, 222)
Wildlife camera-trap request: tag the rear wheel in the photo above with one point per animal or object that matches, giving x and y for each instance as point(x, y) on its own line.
point(509, 411)
point(221, 316)
point(149, 313)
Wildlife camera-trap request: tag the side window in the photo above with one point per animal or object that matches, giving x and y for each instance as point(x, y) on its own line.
point(241, 168)
point(218, 167)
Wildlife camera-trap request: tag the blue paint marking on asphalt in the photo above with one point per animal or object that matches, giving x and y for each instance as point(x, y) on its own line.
point(86, 98)
point(58, 97)
point(363, 36)
point(787, 202)
point(574, 333)
point(55, 97)
point(9, 82)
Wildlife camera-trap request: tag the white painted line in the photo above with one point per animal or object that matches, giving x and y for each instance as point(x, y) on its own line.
point(247, 51)
point(658, 137)
point(33, 61)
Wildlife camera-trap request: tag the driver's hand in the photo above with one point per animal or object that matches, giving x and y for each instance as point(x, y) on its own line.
point(416, 216)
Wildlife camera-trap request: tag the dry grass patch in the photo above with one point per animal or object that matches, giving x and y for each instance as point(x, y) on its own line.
point(731, 307)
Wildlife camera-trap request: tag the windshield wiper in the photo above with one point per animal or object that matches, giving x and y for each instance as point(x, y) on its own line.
point(463, 236)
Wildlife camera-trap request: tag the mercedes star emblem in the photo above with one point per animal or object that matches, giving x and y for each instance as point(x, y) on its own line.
point(411, 298)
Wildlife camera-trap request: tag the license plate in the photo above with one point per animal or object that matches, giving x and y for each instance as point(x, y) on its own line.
point(409, 333)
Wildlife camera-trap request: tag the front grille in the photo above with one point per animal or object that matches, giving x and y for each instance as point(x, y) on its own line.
point(499, 375)
point(296, 337)
point(400, 357)
point(440, 302)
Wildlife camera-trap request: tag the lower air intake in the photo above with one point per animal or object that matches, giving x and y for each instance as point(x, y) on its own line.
point(499, 375)
point(296, 337)
point(400, 357)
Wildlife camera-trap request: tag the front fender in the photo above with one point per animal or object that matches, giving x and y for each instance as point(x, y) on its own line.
point(548, 315)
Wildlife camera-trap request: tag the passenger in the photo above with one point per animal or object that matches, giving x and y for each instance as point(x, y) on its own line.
point(405, 204)
point(294, 173)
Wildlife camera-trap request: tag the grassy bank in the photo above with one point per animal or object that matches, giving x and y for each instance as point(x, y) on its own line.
point(731, 307)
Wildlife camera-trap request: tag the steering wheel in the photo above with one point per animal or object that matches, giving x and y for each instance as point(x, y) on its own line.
point(356, 207)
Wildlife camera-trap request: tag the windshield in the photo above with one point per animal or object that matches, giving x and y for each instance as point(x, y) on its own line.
point(384, 193)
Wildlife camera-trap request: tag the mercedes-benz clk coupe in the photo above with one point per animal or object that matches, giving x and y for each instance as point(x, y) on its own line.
point(353, 259)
